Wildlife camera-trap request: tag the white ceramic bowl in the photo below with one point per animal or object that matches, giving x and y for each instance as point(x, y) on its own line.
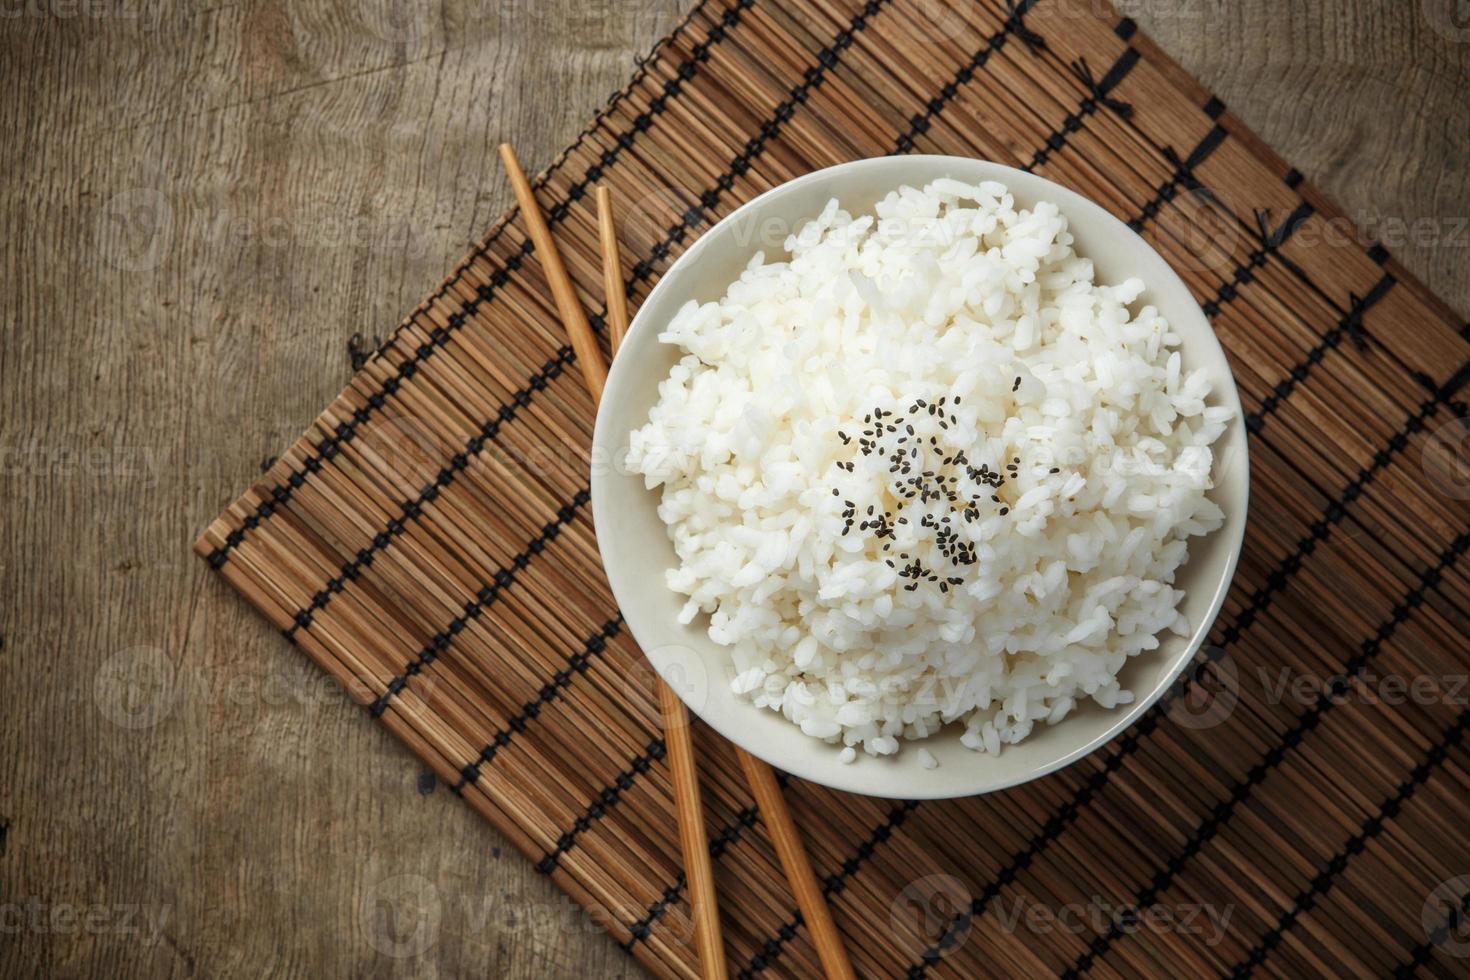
point(636, 550)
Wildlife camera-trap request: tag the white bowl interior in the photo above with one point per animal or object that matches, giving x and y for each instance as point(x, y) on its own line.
point(636, 550)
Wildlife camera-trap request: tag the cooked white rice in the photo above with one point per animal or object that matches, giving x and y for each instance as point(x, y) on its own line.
point(975, 323)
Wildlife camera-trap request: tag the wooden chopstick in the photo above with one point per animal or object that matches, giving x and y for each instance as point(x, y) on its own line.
point(692, 839)
point(798, 867)
point(758, 774)
point(762, 779)
point(697, 866)
point(612, 270)
point(562, 290)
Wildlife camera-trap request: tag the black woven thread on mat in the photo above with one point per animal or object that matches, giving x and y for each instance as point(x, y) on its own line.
point(685, 72)
point(1182, 177)
point(1351, 321)
point(484, 598)
point(577, 663)
point(327, 449)
point(827, 58)
point(409, 513)
point(812, 79)
point(302, 619)
point(643, 928)
point(1332, 691)
point(770, 950)
point(607, 797)
point(1269, 244)
point(1097, 96)
point(1320, 885)
point(1246, 271)
point(1259, 601)
point(1351, 325)
point(1014, 24)
point(1422, 953)
point(918, 124)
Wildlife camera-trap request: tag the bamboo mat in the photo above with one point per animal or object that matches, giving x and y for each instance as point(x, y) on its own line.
point(429, 541)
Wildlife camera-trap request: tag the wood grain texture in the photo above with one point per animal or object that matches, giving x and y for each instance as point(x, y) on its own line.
point(202, 207)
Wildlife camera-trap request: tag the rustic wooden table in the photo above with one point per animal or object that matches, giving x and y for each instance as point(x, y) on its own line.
point(202, 207)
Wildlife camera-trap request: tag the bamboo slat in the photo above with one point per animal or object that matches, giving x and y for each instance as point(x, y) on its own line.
point(429, 543)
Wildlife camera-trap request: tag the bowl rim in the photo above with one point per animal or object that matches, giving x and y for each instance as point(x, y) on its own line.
point(1124, 716)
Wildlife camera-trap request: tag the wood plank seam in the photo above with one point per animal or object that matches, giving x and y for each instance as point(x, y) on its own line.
point(281, 493)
